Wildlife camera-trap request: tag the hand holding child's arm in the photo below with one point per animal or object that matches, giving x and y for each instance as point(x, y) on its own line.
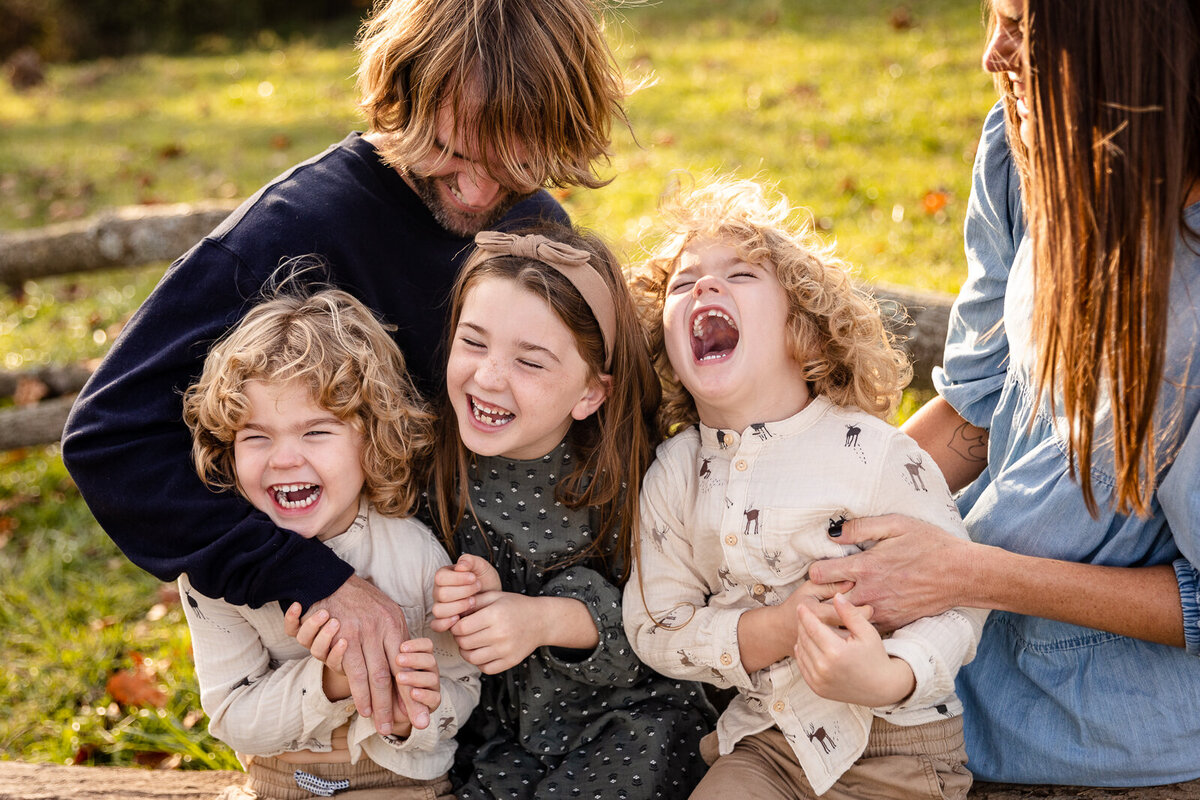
point(849, 665)
point(456, 590)
point(767, 634)
point(373, 626)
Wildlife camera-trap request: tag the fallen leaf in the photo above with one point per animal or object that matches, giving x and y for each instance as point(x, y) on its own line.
point(900, 19)
point(135, 688)
point(933, 202)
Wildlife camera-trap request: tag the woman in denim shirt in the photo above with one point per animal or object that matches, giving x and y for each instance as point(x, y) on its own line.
point(1083, 502)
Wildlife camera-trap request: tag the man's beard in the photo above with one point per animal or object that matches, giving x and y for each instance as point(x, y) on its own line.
point(460, 223)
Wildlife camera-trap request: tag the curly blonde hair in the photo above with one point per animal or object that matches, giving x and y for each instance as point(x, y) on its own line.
point(332, 343)
point(835, 329)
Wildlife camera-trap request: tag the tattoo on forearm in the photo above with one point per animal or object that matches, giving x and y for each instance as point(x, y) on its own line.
point(969, 442)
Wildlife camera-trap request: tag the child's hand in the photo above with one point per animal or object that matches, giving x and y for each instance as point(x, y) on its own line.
point(418, 670)
point(456, 590)
point(848, 664)
point(317, 633)
point(502, 632)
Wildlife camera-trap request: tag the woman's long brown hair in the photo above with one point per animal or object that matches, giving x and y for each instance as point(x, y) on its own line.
point(1115, 93)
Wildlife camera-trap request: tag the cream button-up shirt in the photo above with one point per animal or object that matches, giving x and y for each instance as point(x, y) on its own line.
point(731, 521)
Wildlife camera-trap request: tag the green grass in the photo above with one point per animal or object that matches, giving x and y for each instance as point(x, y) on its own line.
point(857, 120)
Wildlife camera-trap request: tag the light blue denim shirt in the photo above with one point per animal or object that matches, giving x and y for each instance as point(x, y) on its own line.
point(1048, 702)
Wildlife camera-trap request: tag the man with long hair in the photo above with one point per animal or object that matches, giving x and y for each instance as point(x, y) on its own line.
point(472, 107)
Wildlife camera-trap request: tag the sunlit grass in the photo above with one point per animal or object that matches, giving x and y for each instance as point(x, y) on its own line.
point(864, 117)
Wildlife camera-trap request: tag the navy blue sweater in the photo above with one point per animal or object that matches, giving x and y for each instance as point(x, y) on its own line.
point(125, 443)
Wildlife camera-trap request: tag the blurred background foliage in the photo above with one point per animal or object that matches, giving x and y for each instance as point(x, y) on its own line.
point(72, 30)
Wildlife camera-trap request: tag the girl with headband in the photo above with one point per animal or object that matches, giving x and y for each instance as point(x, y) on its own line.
point(547, 424)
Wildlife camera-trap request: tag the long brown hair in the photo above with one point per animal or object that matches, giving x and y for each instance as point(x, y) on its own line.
point(1115, 93)
point(534, 80)
point(614, 446)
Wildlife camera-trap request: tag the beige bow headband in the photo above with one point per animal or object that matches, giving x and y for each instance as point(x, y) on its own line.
point(572, 264)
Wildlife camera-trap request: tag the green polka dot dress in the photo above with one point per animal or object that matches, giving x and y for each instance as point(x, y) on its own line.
point(568, 723)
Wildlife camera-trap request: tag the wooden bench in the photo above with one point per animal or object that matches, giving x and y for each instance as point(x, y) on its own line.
point(21, 781)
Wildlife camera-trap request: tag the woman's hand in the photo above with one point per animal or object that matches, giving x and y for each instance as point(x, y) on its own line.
point(848, 663)
point(913, 570)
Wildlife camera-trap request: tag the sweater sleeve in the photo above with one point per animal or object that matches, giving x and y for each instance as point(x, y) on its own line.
point(243, 689)
point(667, 615)
point(129, 451)
point(934, 647)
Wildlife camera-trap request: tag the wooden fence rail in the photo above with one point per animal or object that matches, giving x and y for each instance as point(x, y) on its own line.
point(143, 235)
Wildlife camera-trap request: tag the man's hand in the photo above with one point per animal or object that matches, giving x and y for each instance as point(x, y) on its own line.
point(909, 573)
point(457, 590)
point(373, 627)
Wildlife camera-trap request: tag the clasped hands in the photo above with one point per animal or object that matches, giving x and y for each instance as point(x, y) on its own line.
point(362, 638)
point(495, 630)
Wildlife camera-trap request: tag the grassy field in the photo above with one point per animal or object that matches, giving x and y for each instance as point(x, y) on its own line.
point(863, 112)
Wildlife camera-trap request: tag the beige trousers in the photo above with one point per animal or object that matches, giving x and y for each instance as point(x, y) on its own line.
point(272, 779)
point(919, 762)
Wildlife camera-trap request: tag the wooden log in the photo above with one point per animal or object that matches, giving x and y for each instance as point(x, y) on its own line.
point(124, 237)
point(918, 316)
point(920, 319)
point(59, 379)
point(29, 426)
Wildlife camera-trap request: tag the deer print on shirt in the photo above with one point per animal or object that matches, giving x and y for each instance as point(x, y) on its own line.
point(722, 439)
point(760, 430)
point(658, 536)
point(751, 521)
point(852, 432)
point(726, 577)
point(772, 558)
point(199, 612)
point(914, 467)
point(819, 736)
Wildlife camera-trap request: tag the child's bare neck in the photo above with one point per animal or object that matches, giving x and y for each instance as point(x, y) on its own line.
point(740, 419)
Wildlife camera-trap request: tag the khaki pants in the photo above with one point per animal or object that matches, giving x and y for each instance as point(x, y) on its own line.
point(272, 779)
point(918, 762)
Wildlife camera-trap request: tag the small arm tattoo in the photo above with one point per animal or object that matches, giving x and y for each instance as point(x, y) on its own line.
point(969, 442)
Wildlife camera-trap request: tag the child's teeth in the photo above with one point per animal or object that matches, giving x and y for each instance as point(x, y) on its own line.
point(311, 492)
point(698, 322)
point(490, 416)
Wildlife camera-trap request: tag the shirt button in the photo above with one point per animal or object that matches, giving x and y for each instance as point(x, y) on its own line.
point(778, 705)
point(759, 590)
point(731, 540)
point(726, 659)
point(740, 465)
